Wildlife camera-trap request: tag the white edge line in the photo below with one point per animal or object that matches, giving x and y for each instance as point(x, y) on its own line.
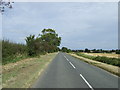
point(72, 65)
point(86, 82)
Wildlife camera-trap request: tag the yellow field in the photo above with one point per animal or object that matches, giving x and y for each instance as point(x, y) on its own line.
point(112, 55)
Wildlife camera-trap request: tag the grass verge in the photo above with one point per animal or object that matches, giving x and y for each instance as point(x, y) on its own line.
point(14, 58)
point(23, 73)
point(110, 68)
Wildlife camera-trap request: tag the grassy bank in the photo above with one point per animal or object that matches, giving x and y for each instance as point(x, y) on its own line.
point(24, 72)
point(108, 60)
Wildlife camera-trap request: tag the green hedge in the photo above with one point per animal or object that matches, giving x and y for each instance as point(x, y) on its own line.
point(12, 52)
point(112, 61)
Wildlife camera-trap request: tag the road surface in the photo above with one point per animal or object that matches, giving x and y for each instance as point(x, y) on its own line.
point(66, 71)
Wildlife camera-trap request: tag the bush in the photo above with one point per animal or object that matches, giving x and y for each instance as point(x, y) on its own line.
point(11, 50)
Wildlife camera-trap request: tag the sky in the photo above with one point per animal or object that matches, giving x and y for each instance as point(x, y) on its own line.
point(81, 24)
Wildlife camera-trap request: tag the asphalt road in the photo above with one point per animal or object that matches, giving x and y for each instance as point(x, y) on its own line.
point(66, 71)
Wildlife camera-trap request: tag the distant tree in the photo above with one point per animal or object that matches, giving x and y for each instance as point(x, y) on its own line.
point(65, 49)
point(94, 50)
point(113, 51)
point(118, 51)
point(87, 50)
point(80, 50)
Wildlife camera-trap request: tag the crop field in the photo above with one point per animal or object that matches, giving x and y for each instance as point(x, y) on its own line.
point(111, 55)
point(104, 59)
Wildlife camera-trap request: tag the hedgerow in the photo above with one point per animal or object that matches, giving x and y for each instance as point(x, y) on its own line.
point(112, 61)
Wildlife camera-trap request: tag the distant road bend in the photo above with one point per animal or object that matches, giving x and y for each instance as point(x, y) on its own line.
point(66, 71)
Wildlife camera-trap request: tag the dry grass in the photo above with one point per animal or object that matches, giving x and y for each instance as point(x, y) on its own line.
point(23, 73)
point(111, 55)
point(113, 69)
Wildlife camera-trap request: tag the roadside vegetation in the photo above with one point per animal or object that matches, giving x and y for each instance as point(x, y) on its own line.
point(108, 60)
point(47, 42)
point(12, 52)
point(86, 50)
point(110, 55)
point(23, 63)
point(105, 56)
point(24, 73)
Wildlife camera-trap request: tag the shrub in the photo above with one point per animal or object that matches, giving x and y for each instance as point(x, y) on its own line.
point(11, 50)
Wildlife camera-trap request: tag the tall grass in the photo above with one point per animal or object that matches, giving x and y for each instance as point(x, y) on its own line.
point(12, 52)
point(112, 61)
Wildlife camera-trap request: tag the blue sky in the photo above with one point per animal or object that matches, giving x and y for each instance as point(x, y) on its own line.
point(81, 24)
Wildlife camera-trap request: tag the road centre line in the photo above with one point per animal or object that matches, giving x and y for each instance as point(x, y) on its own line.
point(66, 58)
point(80, 75)
point(69, 62)
point(72, 65)
point(86, 82)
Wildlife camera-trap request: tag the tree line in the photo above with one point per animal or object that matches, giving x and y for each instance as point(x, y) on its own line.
point(86, 50)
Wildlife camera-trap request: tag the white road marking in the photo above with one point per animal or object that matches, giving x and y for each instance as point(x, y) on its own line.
point(69, 62)
point(72, 65)
point(80, 74)
point(86, 82)
point(66, 58)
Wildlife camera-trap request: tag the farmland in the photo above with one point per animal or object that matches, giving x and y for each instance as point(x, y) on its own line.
point(111, 55)
point(104, 59)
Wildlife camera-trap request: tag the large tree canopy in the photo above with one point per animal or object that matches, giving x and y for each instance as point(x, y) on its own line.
point(48, 41)
point(50, 36)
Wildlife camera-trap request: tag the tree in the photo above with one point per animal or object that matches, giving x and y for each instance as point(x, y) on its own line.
point(51, 40)
point(65, 49)
point(118, 51)
point(4, 4)
point(48, 41)
point(87, 50)
point(30, 40)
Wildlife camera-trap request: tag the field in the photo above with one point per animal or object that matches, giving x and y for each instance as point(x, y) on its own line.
point(103, 59)
point(24, 72)
point(111, 55)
